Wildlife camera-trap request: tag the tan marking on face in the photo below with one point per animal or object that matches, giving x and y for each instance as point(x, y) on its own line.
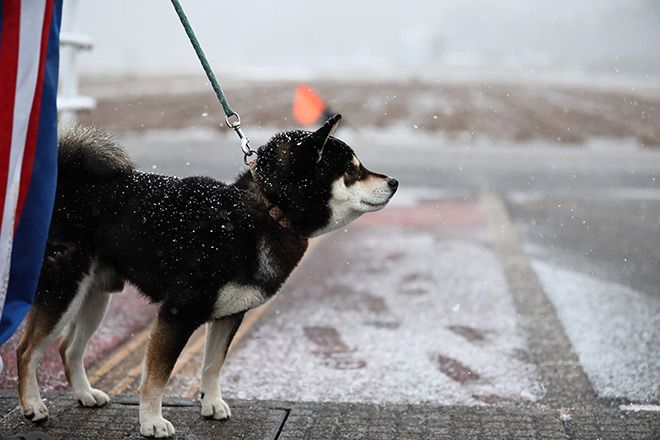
point(374, 179)
point(371, 182)
point(355, 175)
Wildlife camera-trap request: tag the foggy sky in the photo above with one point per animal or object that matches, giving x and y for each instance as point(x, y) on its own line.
point(145, 37)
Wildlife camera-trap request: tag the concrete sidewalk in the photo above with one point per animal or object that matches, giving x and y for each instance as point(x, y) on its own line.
point(319, 421)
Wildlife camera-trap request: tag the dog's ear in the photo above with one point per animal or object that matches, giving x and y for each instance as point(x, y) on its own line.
point(320, 137)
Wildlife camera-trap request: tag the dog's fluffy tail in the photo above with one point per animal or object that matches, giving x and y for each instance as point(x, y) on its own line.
point(87, 152)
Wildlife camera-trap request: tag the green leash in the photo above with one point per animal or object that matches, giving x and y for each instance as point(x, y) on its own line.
point(232, 119)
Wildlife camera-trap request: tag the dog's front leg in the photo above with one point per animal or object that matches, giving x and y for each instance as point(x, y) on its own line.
point(168, 338)
point(219, 334)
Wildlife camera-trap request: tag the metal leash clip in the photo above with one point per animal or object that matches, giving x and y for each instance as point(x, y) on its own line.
point(233, 121)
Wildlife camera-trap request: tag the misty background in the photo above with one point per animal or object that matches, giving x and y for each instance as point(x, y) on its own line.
point(294, 39)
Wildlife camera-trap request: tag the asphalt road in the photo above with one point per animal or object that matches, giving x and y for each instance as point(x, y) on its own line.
point(588, 221)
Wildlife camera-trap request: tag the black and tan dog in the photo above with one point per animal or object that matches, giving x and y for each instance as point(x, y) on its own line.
point(205, 251)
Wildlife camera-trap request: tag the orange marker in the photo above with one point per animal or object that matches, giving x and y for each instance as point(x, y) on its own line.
point(308, 106)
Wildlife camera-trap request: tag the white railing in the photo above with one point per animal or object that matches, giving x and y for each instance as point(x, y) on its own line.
point(69, 101)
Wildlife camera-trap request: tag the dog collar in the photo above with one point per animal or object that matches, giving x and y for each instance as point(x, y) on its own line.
point(274, 211)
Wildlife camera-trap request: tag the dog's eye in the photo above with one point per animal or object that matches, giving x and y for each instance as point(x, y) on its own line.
point(352, 171)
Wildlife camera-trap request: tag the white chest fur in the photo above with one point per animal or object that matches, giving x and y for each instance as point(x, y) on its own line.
point(234, 298)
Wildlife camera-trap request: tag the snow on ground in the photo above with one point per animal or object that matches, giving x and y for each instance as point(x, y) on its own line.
point(615, 331)
point(390, 316)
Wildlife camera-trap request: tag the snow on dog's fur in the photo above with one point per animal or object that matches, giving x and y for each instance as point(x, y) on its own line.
point(205, 251)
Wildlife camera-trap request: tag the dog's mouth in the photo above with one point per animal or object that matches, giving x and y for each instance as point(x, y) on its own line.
point(374, 206)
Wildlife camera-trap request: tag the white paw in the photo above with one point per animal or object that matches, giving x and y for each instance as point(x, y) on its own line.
point(35, 410)
point(156, 427)
point(92, 397)
point(215, 408)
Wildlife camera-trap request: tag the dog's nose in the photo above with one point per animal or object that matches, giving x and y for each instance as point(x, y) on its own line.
point(393, 183)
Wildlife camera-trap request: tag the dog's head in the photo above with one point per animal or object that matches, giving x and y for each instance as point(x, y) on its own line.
point(318, 181)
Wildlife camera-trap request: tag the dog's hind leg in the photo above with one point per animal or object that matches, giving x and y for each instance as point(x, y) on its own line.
point(219, 334)
point(40, 331)
point(168, 338)
point(57, 301)
point(72, 348)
